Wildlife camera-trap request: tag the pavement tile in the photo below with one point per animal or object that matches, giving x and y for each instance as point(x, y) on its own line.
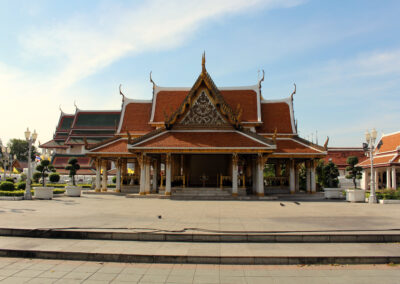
point(42, 266)
point(205, 279)
point(8, 271)
point(154, 278)
point(77, 275)
point(16, 280)
point(180, 279)
point(103, 276)
point(40, 280)
point(110, 269)
point(53, 274)
point(260, 280)
point(28, 273)
point(232, 280)
point(122, 277)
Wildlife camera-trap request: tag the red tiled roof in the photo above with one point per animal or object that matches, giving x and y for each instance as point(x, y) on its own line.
point(275, 115)
point(79, 172)
point(339, 156)
point(390, 142)
point(62, 161)
point(118, 146)
point(136, 118)
point(201, 140)
point(169, 101)
point(293, 146)
point(386, 159)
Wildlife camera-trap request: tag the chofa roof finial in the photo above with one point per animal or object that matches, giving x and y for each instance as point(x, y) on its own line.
point(326, 143)
point(151, 80)
point(294, 92)
point(203, 62)
point(76, 107)
point(60, 109)
point(121, 93)
point(262, 78)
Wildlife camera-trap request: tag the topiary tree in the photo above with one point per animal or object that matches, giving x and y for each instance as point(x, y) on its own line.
point(44, 168)
point(10, 179)
point(330, 175)
point(36, 176)
point(23, 177)
point(73, 167)
point(21, 185)
point(114, 180)
point(353, 172)
point(54, 177)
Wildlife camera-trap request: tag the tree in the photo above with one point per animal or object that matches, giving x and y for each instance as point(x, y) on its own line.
point(73, 167)
point(20, 148)
point(330, 175)
point(54, 177)
point(44, 167)
point(353, 172)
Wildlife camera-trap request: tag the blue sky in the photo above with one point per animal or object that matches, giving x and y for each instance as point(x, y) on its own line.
point(344, 57)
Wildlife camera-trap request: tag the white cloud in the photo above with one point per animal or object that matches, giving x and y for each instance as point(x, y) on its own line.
point(85, 43)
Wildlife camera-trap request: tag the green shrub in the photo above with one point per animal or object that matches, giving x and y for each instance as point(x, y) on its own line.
point(7, 186)
point(114, 179)
point(58, 191)
point(21, 185)
point(12, 193)
point(36, 177)
point(111, 185)
point(10, 179)
point(35, 185)
point(54, 177)
point(23, 177)
point(86, 185)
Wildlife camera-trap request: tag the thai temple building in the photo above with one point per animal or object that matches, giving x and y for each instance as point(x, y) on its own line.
point(202, 136)
point(76, 132)
point(386, 163)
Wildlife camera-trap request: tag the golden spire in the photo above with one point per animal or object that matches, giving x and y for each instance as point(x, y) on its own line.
point(203, 62)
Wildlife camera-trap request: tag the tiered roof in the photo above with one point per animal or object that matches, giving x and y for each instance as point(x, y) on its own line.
point(250, 122)
point(386, 153)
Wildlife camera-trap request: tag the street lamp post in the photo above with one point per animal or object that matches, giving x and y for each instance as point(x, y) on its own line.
point(31, 140)
point(370, 138)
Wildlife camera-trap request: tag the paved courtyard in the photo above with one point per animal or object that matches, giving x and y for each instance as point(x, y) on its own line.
point(14, 270)
point(117, 212)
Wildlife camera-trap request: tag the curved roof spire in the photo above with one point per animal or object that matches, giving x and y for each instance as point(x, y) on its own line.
point(262, 79)
point(76, 107)
point(203, 62)
point(294, 91)
point(121, 93)
point(151, 80)
point(61, 110)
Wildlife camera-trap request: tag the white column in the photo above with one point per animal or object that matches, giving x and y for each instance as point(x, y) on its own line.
point(260, 177)
point(292, 179)
point(376, 178)
point(98, 175)
point(308, 177)
point(254, 174)
point(168, 175)
point(141, 161)
point(313, 178)
point(388, 174)
point(147, 172)
point(394, 180)
point(118, 179)
point(104, 180)
point(155, 169)
point(364, 179)
point(234, 174)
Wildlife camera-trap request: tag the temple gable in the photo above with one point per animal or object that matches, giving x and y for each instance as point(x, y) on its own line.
point(203, 113)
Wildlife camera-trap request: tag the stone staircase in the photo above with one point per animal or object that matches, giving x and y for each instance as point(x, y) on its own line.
point(203, 193)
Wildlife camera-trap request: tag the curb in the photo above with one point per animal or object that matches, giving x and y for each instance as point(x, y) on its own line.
point(137, 258)
point(211, 237)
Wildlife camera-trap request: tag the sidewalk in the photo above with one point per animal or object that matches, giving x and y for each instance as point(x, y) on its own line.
point(14, 270)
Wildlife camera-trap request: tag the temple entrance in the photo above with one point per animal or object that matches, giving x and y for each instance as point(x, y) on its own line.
point(204, 170)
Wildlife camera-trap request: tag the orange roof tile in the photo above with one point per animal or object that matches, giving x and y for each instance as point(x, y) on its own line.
point(118, 146)
point(386, 159)
point(292, 146)
point(62, 161)
point(201, 140)
point(390, 142)
point(168, 102)
point(339, 156)
point(136, 118)
point(275, 115)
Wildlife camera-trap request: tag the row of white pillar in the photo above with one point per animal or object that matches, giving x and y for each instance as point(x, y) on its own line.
point(391, 181)
point(145, 163)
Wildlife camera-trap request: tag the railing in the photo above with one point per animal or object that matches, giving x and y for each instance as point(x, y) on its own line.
point(277, 181)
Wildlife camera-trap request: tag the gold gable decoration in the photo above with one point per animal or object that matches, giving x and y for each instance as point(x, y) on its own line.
point(232, 116)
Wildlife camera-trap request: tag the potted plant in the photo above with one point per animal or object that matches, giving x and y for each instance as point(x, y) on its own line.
point(44, 192)
point(73, 167)
point(354, 173)
point(330, 181)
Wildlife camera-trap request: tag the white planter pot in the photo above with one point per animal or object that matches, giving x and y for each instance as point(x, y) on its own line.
point(44, 192)
point(355, 195)
point(389, 201)
point(333, 193)
point(73, 191)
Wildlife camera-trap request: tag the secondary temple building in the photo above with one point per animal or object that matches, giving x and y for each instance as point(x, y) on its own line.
point(205, 137)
